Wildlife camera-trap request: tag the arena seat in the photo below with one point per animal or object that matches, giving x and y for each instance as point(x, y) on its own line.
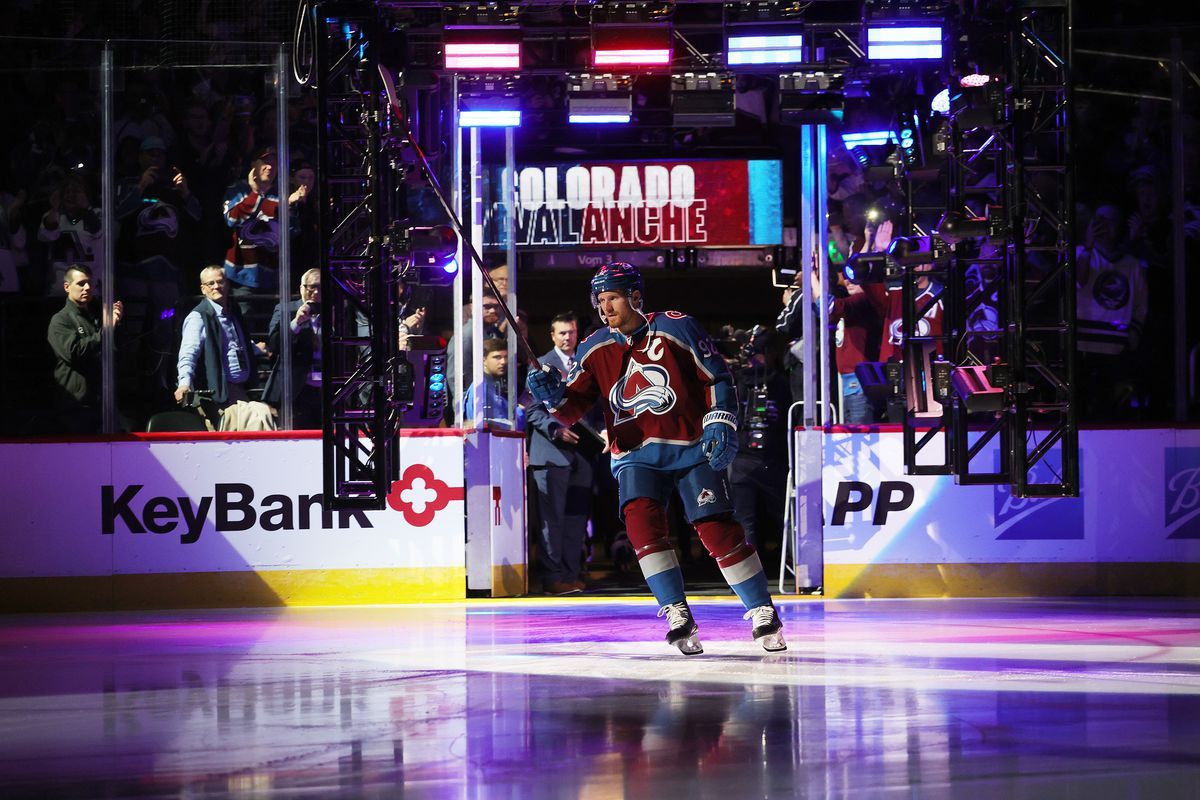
point(176, 421)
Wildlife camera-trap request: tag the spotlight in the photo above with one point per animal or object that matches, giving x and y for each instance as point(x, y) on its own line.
point(424, 255)
point(599, 98)
point(956, 226)
point(982, 388)
point(702, 100)
point(871, 268)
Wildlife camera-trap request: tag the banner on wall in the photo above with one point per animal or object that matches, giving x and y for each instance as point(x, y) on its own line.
point(217, 506)
point(718, 203)
point(1140, 502)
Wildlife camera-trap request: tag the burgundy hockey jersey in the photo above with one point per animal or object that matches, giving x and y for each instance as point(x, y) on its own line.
point(654, 386)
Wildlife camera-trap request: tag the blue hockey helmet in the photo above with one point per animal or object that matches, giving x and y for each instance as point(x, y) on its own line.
point(616, 277)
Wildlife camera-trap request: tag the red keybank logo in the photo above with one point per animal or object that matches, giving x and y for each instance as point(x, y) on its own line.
point(418, 495)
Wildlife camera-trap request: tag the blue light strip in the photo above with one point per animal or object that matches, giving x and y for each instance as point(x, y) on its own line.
point(900, 43)
point(501, 118)
point(779, 49)
point(869, 138)
point(766, 189)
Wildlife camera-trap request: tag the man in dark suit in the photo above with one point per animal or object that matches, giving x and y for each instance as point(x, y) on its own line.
point(304, 327)
point(562, 473)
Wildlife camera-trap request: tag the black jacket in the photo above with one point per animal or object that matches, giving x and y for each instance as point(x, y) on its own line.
point(303, 352)
point(74, 336)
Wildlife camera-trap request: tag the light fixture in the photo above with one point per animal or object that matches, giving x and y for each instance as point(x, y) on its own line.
point(703, 99)
point(981, 388)
point(811, 98)
point(631, 46)
point(745, 48)
point(869, 138)
point(480, 48)
point(941, 102)
point(871, 268)
point(489, 104)
point(980, 106)
point(428, 254)
point(599, 99)
point(904, 42)
point(955, 226)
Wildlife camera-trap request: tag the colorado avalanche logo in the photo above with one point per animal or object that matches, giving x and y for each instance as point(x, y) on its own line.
point(896, 330)
point(645, 387)
point(159, 218)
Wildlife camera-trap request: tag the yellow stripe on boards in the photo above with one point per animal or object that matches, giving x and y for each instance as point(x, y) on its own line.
point(264, 589)
point(1012, 580)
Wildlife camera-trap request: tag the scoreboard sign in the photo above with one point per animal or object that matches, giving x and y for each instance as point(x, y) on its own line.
point(723, 203)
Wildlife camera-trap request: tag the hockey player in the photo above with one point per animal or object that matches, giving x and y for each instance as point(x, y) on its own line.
point(670, 409)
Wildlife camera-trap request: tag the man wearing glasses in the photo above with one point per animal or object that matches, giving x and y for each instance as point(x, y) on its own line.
point(491, 330)
point(215, 353)
point(305, 329)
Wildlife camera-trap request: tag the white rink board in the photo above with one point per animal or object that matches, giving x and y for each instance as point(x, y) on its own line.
point(1140, 502)
point(219, 506)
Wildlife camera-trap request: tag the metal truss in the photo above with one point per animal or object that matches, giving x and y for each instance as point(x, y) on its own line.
point(1012, 300)
point(358, 332)
point(1041, 254)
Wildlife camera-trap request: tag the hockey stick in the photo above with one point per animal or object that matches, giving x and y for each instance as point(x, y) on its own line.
point(394, 105)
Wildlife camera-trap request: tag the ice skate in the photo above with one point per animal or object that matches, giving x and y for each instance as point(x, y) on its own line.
point(767, 630)
point(682, 633)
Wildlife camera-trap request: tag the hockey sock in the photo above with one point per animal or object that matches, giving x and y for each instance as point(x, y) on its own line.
point(726, 542)
point(646, 526)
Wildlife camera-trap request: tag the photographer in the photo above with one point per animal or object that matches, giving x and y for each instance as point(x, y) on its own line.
point(305, 330)
point(759, 472)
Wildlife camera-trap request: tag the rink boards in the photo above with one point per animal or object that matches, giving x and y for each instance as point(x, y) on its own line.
point(1134, 529)
point(207, 522)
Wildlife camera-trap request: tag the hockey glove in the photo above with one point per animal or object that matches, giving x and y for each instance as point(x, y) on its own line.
point(720, 442)
point(546, 385)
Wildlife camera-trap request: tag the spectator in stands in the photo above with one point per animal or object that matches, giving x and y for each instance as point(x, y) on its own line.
point(143, 117)
point(495, 388)
point(491, 330)
point(215, 353)
point(14, 257)
point(303, 205)
point(157, 214)
point(304, 327)
point(252, 211)
point(1111, 303)
point(74, 336)
point(411, 311)
point(72, 230)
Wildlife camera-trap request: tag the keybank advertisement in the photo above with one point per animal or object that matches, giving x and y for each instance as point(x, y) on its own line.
point(1140, 501)
point(650, 204)
point(213, 506)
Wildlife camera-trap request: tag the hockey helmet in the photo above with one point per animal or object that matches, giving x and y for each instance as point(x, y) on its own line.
point(616, 277)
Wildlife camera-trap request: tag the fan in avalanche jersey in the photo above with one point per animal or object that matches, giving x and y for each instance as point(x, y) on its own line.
point(670, 410)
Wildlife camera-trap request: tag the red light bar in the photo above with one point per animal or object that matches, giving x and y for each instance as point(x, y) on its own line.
point(482, 48)
point(614, 58)
point(483, 56)
point(631, 46)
